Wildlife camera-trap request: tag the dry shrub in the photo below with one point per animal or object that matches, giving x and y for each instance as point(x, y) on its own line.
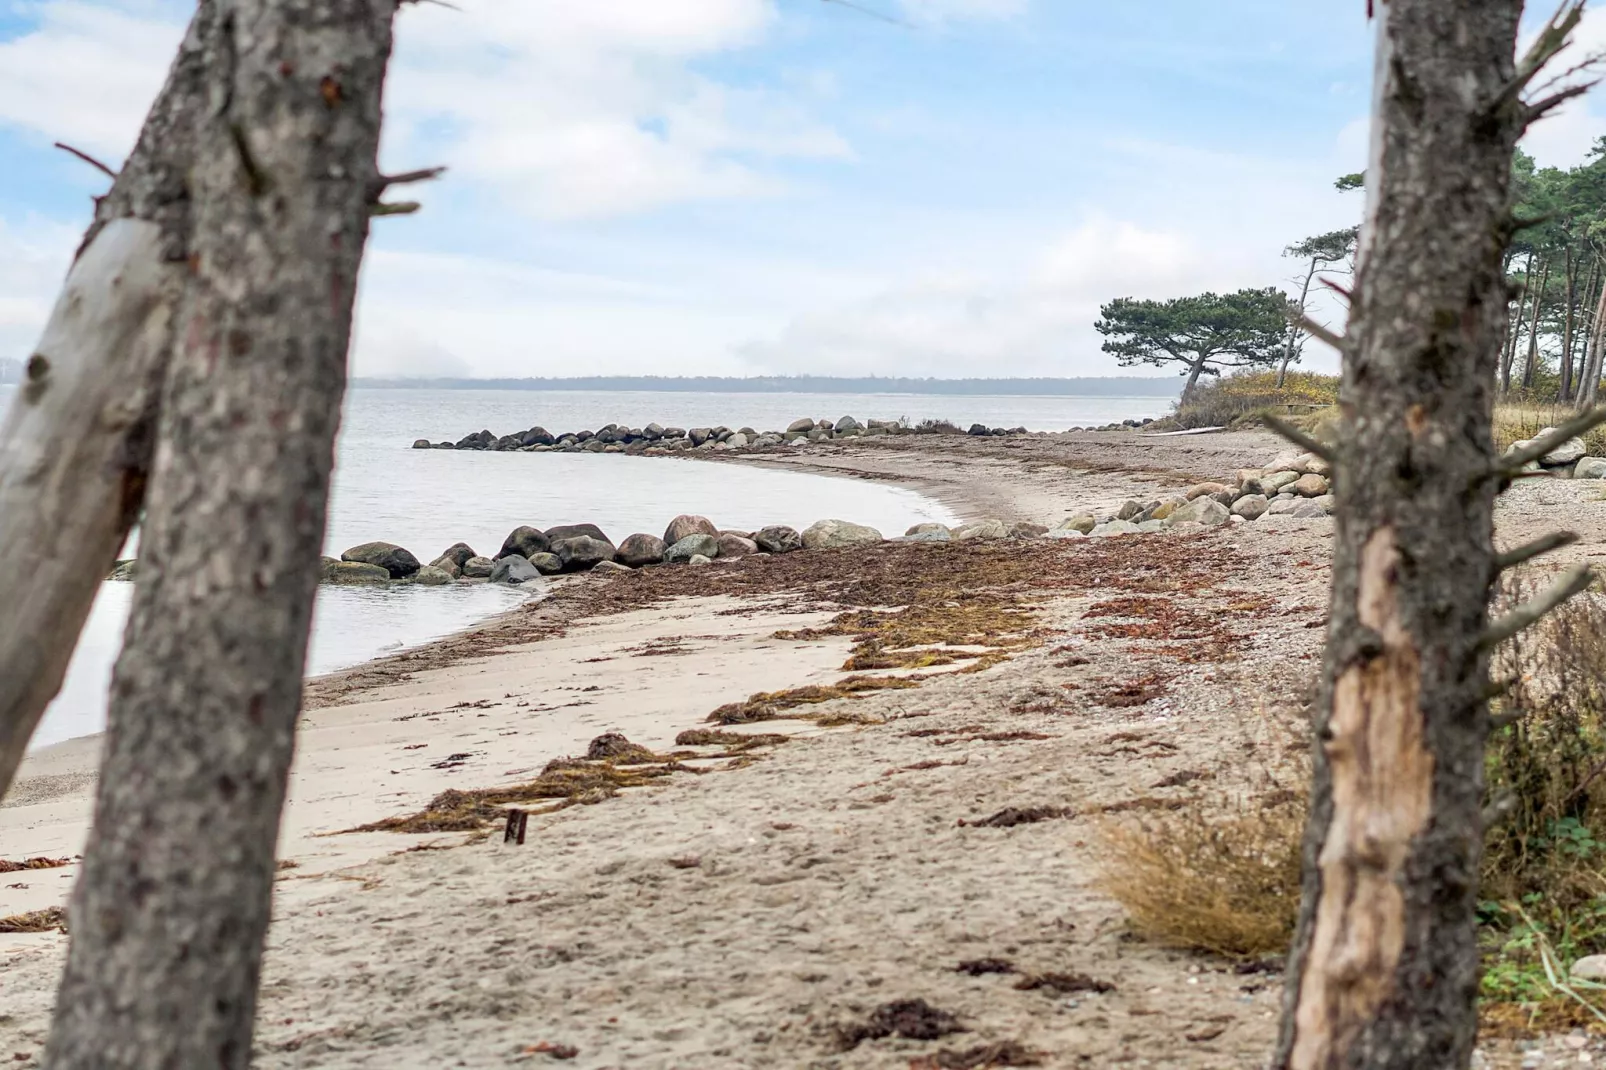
point(1517, 421)
point(1244, 397)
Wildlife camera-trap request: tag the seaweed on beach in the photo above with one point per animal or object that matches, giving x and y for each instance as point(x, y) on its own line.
point(733, 742)
point(911, 1019)
point(8, 866)
point(768, 705)
point(980, 1057)
point(50, 919)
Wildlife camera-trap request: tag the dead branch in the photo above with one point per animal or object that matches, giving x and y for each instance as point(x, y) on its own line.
point(1574, 581)
point(1528, 551)
point(90, 160)
point(1511, 464)
point(381, 183)
point(1299, 438)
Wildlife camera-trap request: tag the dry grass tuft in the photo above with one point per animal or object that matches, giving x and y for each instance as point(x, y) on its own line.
point(1518, 421)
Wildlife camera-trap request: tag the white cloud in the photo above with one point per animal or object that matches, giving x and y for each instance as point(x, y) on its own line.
point(946, 10)
point(1564, 138)
point(34, 256)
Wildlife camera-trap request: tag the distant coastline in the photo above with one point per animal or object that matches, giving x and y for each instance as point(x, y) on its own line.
point(1109, 386)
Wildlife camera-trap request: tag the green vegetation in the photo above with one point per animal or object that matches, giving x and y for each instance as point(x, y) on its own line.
point(1204, 334)
point(1240, 400)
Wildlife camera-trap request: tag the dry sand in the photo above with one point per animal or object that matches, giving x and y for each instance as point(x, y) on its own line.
point(739, 917)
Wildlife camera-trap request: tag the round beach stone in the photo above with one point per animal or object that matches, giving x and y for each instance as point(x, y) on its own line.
point(446, 565)
point(606, 567)
point(778, 539)
point(1027, 529)
point(387, 555)
point(524, 541)
point(734, 545)
point(848, 423)
point(1199, 490)
point(1115, 527)
point(423, 444)
point(928, 528)
point(1590, 468)
point(1310, 485)
point(1250, 506)
point(1566, 453)
point(333, 571)
point(570, 531)
point(514, 569)
point(699, 559)
point(582, 552)
point(836, 534)
point(1164, 510)
point(547, 564)
point(1064, 533)
point(430, 576)
point(1130, 508)
point(1590, 968)
point(804, 426)
point(688, 524)
point(1081, 523)
point(981, 529)
point(478, 568)
point(1205, 510)
point(641, 549)
point(683, 550)
point(459, 552)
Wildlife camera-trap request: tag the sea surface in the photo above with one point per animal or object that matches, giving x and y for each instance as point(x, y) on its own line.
point(428, 499)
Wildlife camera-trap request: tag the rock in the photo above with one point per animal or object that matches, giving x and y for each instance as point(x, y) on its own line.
point(1590, 468)
point(423, 444)
point(570, 531)
point(1064, 533)
point(523, 541)
point(1298, 508)
point(699, 559)
point(835, 534)
point(446, 565)
point(981, 529)
point(478, 568)
point(547, 564)
point(1080, 523)
point(582, 552)
point(430, 576)
point(1566, 453)
point(387, 555)
point(938, 534)
point(1026, 529)
point(653, 431)
point(1272, 482)
point(1250, 506)
point(1590, 968)
point(513, 569)
point(682, 550)
point(847, 423)
point(928, 528)
point(778, 539)
point(1310, 486)
point(1149, 527)
point(804, 426)
point(459, 552)
point(736, 441)
point(610, 566)
point(1129, 509)
point(1244, 475)
point(638, 550)
point(333, 571)
point(1199, 490)
point(1164, 510)
point(1114, 527)
point(1314, 465)
point(1203, 510)
point(734, 545)
point(979, 430)
point(699, 435)
point(125, 570)
point(688, 524)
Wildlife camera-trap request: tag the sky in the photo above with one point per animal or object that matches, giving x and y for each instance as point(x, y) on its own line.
point(754, 187)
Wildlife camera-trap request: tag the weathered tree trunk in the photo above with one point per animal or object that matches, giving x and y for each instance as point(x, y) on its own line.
point(1384, 969)
point(170, 912)
point(1194, 373)
point(1294, 328)
point(1590, 385)
point(75, 447)
point(1530, 367)
point(1567, 332)
point(1514, 307)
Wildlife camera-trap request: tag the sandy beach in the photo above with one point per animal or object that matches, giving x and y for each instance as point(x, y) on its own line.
point(750, 906)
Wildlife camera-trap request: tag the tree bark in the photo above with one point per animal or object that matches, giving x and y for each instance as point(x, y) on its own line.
point(1383, 973)
point(1516, 331)
point(1294, 328)
point(172, 907)
point(1194, 372)
point(75, 447)
point(1567, 332)
point(1530, 367)
point(1588, 388)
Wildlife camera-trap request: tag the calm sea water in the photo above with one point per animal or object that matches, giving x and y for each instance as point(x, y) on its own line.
point(428, 499)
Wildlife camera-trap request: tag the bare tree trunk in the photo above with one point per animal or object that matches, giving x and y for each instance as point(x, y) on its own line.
point(1590, 384)
point(1567, 332)
point(1294, 329)
point(1530, 368)
point(169, 916)
point(1516, 328)
point(1383, 974)
point(75, 447)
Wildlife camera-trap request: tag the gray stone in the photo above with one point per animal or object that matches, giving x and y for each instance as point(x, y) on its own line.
point(682, 550)
point(734, 545)
point(848, 423)
point(582, 551)
point(333, 571)
point(1148, 527)
point(546, 564)
point(610, 566)
point(737, 441)
point(688, 524)
point(778, 539)
point(569, 531)
point(1327, 502)
point(1590, 968)
point(804, 425)
point(1272, 482)
point(1590, 468)
point(941, 534)
point(1250, 506)
point(387, 555)
point(1026, 529)
point(1199, 490)
point(835, 534)
point(523, 541)
point(459, 552)
point(478, 568)
point(1065, 533)
point(981, 529)
point(514, 569)
point(638, 550)
point(446, 565)
point(1130, 508)
point(699, 559)
point(1081, 523)
point(1566, 453)
point(1205, 510)
point(699, 435)
point(423, 444)
point(1114, 527)
point(430, 576)
point(928, 528)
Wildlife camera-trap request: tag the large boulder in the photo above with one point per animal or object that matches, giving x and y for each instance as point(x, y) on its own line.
point(1297, 508)
point(1566, 453)
point(514, 569)
point(737, 440)
point(1130, 509)
point(1310, 485)
point(447, 565)
point(639, 549)
point(478, 568)
point(981, 529)
point(581, 552)
point(387, 555)
point(734, 545)
point(688, 524)
point(570, 531)
point(1199, 490)
point(1272, 482)
point(847, 423)
point(546, 564)
point(1115, 527)
point(683, 550)
point(1081, 523)
point(333, 571)
point(836, 534)
point(929, 532)
point(430, 576)
point(778, 539)
point(1250, 506)
point(803, 426)
point(1205, 510)
point(423, 444)
point(458, 553)
point(1027, 529)
point(1590, 468)
point(524, 541)
point(1164, 509)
